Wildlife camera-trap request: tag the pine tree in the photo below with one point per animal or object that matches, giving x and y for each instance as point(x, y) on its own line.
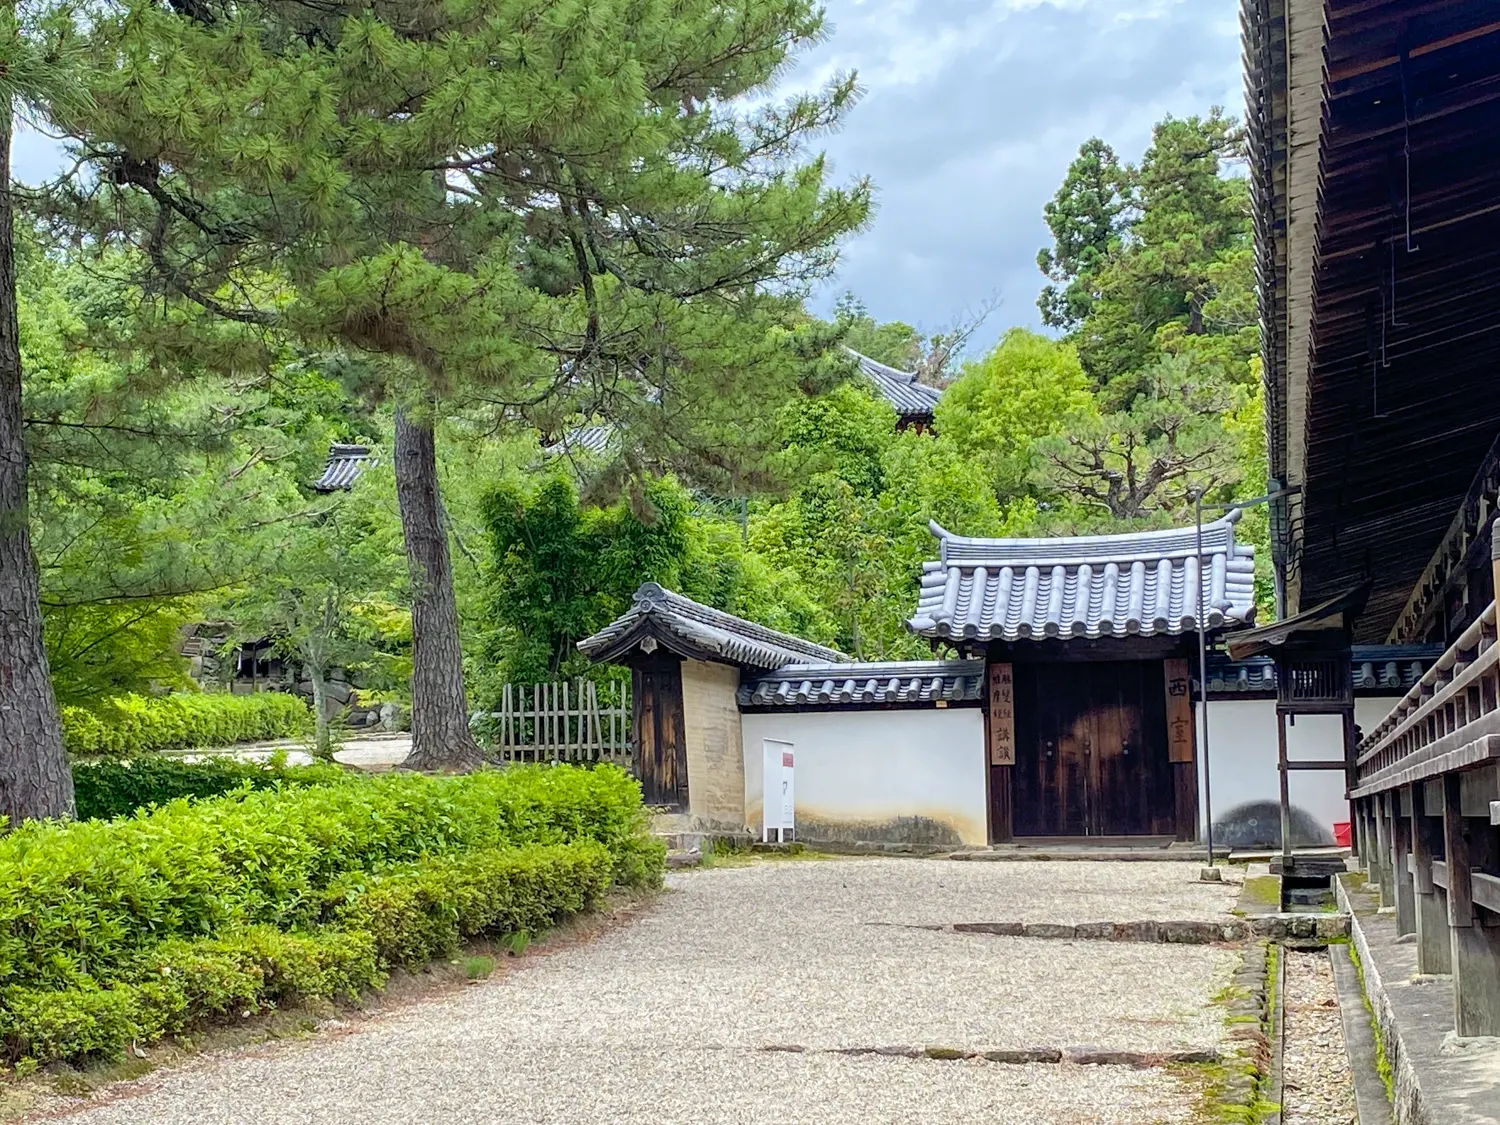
point(552, 208)
point(34, 777)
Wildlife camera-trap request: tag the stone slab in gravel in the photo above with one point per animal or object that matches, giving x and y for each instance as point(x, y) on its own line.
point(671, 1012)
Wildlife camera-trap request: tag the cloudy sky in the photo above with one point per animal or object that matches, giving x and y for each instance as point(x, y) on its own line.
point(972, 111)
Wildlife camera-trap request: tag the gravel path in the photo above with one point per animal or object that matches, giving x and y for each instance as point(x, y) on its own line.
point(1317, 1086)
point(662, 1020)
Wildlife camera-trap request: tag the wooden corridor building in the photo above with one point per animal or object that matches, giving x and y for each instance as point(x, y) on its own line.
point(1375, 179)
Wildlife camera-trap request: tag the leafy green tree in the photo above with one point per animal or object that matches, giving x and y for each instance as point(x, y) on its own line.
point(1088, 218)
point(894, 343)
point(323, 603)
point(561, 571)
point(1025, 389)
point(1150, 459)
point(558, 204)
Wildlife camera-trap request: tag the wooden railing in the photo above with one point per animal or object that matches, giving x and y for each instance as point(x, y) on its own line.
point(1427, 821)
point(560, 722)
point(1449, 720)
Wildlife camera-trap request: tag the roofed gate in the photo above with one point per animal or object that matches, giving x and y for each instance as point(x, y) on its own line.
point(1087, 642)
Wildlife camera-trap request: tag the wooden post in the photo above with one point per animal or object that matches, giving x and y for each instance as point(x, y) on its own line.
point(1286, 796)
point(1476, 946)
point(1434, 946)
point(1000, 747)
point(1401, 841)
point(1384, 875)
point(1182, 747)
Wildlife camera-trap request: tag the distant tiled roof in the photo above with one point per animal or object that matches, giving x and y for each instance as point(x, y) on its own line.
point(1378, 670)
point(662, 618)
point(345, 463)
point(903, 682)
point(1144, 583)
point(582, 439)
point(913, 400)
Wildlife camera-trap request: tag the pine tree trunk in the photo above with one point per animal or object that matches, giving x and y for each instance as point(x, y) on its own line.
point(440, 738)
point(35, 780)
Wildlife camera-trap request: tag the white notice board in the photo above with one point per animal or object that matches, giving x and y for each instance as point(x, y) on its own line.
point(778, 803)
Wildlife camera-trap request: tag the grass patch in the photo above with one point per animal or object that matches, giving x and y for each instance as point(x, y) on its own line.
point(1262, 890)
point(478, 966)
point(1382, 1060)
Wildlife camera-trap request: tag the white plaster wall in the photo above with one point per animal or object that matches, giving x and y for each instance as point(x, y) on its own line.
point(1242, 758)
point(867, 775)
point(711, 723)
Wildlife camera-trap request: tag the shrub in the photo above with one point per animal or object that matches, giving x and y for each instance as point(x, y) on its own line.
point(138, 724)
point(83, 900)
point(406, 916)
point(425, 911)
point(111, 787)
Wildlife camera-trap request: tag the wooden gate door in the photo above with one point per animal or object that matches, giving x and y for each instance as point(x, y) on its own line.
point(1091, 750)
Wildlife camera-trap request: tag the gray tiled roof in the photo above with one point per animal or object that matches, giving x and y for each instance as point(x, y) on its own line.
point(901, 682)
point(582, 439)
point(1378, 670)
point(912, 400)
point(1144, 583)
point(345, 463)
point(659, 617)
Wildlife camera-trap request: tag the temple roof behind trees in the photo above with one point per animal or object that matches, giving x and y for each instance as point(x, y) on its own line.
point(1138, 584)
point(913, 401)
point(1374, 173)
point(345, 463)
point(661, 619)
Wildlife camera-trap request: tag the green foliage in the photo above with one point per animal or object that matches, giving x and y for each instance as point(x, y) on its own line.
point(424, 912)
point(105, 788)
point(1027, 389)
point(561, 572)
point(136, 724)
point(893, 343)
point(118, 931)
point(1088, 218)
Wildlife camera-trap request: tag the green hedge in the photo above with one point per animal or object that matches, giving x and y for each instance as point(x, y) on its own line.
point(122, 930)
point(406, 917)
point(138, 724)
point(109, 787)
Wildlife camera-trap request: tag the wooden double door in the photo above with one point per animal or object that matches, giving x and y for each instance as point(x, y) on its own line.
point(1092, 750)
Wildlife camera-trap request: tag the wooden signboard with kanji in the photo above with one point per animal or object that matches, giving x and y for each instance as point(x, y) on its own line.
point(1180, 736)
point(1002, 726)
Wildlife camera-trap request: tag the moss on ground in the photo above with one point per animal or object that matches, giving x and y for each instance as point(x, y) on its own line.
point(1382, 1060)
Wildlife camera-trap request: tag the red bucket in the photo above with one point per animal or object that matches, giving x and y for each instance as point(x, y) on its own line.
point(1341, 833)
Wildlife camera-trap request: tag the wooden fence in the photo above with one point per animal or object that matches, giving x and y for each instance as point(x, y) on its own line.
point(561, 722)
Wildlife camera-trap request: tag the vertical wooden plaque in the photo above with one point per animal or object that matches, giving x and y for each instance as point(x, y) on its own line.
point(1180, 735)
point(1002, 699)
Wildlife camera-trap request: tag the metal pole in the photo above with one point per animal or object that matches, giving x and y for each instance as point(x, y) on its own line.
point(1208, 800)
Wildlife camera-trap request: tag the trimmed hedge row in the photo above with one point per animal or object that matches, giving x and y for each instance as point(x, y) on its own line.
point(139, 724)
point(122, 930)
point(109, 787)
point(404, 917)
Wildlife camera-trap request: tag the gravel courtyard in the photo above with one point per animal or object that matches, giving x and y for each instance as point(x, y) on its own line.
point(728, 999)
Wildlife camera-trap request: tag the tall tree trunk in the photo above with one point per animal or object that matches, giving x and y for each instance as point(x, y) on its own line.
point(34, 777)
point(322, 740)
point(440, 738)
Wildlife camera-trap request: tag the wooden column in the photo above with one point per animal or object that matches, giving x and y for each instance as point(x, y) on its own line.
point(1284, 778)
point(1434, 946)
point(1383, 876)
point(1182, 747)
point(1000, 747)
point(1476, 944)
point(1401, 847)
